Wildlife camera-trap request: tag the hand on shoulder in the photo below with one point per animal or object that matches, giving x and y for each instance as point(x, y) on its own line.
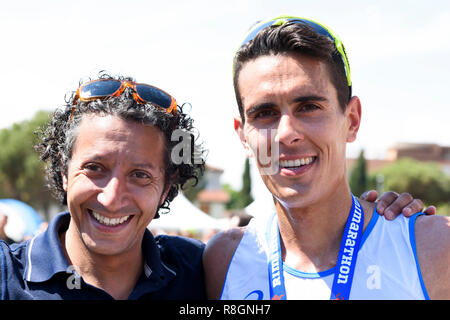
point(216, 258)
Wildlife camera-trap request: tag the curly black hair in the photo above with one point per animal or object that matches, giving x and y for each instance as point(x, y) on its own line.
point(58, 138)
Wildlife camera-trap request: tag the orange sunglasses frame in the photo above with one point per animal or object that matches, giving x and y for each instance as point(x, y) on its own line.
point(127, 84)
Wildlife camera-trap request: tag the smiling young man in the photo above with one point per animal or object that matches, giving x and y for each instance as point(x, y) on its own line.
point(109, 159)
point(293, 88)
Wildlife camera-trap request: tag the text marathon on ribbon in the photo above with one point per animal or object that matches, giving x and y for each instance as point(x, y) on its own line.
point(349, 248)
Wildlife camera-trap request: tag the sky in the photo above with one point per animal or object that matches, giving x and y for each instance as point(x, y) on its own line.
point(398, 51)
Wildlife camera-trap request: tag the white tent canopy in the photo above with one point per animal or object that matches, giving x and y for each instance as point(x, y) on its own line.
point(262, 205)
point(184, 215)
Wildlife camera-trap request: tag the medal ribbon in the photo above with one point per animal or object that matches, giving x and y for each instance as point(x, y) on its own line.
point(345, 267)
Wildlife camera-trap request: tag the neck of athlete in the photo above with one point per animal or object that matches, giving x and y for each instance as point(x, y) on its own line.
point(311, 235)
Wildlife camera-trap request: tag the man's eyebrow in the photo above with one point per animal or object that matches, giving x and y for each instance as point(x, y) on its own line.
point(140, 165)
point(144, 165)
point(93, 157)
point(270, 105)
point(310, 98)
point(259, 107)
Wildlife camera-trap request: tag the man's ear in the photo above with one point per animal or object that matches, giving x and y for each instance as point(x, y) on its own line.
point(64, 181)
point(239, 128)
point(353, 114)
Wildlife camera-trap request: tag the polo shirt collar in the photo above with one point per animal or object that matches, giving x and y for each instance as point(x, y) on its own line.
point(45, 257)
point(154, 267)
point(44, 254)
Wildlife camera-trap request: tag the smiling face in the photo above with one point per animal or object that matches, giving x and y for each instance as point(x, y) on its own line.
point(289, 102)
point(114, 184)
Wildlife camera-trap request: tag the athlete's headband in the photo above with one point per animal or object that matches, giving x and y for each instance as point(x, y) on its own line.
point(317, 27)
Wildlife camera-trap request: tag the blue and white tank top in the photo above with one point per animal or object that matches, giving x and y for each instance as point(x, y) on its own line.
point(387, 266)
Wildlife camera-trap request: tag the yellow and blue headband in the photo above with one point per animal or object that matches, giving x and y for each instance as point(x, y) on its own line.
point(315, 26)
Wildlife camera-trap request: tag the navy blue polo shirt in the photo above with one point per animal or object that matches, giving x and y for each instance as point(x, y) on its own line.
point(39, 269)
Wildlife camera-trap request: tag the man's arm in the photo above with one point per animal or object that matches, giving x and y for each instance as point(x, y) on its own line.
point(391, 204)
point(433, 251)
point(217, 257)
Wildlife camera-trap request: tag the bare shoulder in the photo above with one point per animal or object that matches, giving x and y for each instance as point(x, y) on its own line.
point(433, 251)
point(216, 258)
point(221, 247)
point(433, 233)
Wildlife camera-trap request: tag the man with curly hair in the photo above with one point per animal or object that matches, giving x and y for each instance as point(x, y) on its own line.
point(108, 152)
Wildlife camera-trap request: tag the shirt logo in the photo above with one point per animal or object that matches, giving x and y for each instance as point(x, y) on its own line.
point(259, 295)
point(338, 297)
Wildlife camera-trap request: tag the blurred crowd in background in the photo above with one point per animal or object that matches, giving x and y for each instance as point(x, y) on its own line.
point(19, 221)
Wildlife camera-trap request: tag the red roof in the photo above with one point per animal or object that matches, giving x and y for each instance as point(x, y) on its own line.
point(208, 196)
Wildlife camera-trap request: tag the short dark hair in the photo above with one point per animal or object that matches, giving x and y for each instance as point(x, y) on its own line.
point(59, 136)
point(293, 37)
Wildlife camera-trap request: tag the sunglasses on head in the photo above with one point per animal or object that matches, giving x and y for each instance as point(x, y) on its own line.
point(142, 93)
point(317, 27)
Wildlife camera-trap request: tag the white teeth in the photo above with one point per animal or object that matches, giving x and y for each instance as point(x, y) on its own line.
point(107, 221)
point(296, 162)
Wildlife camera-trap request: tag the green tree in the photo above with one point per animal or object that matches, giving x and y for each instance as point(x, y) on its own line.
point(235, 201)
point(242, 198)
point(358, 175)
point(21, 170)
point(190, 192)
point(246, 191)
point(424, 180)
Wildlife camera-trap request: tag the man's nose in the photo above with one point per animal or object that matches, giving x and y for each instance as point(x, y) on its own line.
point(113, 194)
point(288, 131)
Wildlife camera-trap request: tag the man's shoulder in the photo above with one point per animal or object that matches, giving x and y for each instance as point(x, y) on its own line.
point(224, 244)
point(179, 242)
point(217, 257)
point(14, 252)
point(220, 249)
point(433, 231)
point(432, 235)
point(12, 266)
point(180, 252)
point(182, 258)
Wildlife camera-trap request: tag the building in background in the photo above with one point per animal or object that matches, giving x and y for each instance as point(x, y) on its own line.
point(213, 198)
point(426, 152)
